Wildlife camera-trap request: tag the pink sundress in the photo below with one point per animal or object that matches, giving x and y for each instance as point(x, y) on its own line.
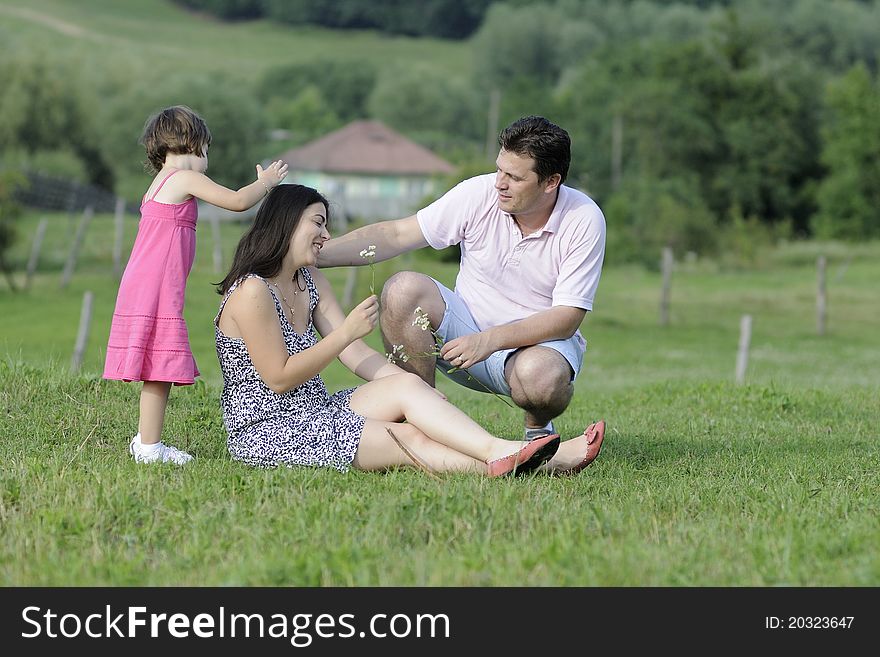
point(148, 336)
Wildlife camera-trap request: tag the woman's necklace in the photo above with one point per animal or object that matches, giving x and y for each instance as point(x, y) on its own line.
point(296, 290)
point(296, 281)
point(284, 298)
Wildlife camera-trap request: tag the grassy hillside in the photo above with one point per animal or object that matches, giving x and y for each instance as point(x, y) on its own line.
point(150, 39)
point(132, 57)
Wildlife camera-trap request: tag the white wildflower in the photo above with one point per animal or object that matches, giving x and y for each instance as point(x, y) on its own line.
point(369, 254)
point(397, 352)
point(422, 320)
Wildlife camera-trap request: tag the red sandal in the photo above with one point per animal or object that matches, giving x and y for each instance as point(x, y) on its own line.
point(527, 459)
point(595, 434)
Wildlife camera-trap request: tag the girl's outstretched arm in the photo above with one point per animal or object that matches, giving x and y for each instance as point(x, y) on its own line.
point(251, 309)
point(199, 185)
point(358, 357)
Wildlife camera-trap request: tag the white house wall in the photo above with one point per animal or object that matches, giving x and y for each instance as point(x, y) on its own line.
point(369, 197)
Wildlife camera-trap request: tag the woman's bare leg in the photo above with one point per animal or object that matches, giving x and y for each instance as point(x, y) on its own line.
point(407, 396)
point(379, 451)
point(154, 399)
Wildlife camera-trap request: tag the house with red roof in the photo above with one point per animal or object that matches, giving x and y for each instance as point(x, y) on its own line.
point(368, 171)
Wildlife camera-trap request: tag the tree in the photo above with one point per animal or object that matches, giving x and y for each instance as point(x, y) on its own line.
point(306, 116)
point(228, 9)
point(455, 19)
point(418, 98)
point(747, 130)
point(647, 214)
point(849, 196)
point(518, 42)
point(345, 85)
point(9, 212)
point(661, 95)
point(237, 124)
point(42, 109)
point(834, 35)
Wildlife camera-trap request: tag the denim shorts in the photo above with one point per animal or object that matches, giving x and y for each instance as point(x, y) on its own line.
point(458, 321)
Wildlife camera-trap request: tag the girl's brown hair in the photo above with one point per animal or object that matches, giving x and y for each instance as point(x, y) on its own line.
point(175, 129)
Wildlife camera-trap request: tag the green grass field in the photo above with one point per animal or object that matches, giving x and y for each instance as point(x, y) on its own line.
point(153, 39)
point(135, 49)
point(701, 482)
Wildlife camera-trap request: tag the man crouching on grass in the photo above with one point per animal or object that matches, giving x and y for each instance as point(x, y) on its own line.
point(531, 257)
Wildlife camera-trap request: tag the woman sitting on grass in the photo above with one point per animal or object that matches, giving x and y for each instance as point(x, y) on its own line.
point(276, 407)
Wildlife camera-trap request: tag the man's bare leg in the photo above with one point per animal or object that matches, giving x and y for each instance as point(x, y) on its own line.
point(403, 293)
point(540, 384)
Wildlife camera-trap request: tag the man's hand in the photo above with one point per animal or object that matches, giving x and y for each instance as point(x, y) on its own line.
point(468, 350)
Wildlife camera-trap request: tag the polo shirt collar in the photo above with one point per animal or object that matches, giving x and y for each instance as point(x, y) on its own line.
point(555, 219)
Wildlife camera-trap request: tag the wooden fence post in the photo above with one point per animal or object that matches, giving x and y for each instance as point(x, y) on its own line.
point(82, 336)
point(218, 246)
point(71, 211)
point(616, 151)
point(75, 247)
point(492, 124)
point(35, 251)
point(821, 296)
point(667, 263)
point(742, 354)
point(118, 226)
point(842, 269)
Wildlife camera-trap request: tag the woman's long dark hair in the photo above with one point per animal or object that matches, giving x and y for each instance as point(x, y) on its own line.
point(262, 248)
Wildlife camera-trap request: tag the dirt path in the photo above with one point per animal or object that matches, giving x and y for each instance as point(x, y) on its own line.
point(56, 24)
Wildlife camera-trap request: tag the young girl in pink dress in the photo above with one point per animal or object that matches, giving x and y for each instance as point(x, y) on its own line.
point(148, 337)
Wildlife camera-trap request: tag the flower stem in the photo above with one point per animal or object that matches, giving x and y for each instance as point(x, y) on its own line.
point(422, 321)
point(471, 377)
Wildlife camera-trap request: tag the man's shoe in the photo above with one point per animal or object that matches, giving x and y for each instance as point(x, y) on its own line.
point(531, 434)
point(527, 459)
point(164, 454)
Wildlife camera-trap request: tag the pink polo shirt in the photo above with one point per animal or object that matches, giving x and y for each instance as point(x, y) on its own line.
point(505, 277)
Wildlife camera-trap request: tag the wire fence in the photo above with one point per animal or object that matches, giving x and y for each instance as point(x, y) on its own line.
point(51, 193)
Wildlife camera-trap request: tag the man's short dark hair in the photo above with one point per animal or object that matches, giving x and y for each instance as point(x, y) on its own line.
point(545, 142)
